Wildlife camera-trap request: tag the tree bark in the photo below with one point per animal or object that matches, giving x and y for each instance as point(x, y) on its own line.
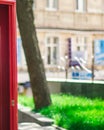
point(34, 61)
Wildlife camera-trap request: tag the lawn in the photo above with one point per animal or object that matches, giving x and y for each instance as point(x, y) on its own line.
point(72, 112)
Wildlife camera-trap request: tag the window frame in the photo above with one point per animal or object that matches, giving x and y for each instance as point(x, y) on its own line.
point(52, 46)
point(80, 5)
point(50, 6)
point(81, 45)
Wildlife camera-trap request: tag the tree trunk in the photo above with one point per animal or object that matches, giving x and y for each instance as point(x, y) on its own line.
point(33, 58)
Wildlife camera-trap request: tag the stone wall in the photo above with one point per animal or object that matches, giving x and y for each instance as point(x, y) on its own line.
point(66, 16)
point(87, 89)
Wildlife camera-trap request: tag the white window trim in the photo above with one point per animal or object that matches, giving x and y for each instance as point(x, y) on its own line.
point(80, 6)
point(81, 44)
point(51, 36)
point(51, 9)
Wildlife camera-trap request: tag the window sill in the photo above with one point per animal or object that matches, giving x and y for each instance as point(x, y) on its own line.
point(80, 11)
point(51, 9)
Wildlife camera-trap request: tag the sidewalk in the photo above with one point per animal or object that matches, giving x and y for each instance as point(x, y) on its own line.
point(28, 120)
point(34, 126)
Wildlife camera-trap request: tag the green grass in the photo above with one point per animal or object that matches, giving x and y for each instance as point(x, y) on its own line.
point(73, 113)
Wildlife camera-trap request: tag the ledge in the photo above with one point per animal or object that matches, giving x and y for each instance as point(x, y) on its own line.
point(25, 115)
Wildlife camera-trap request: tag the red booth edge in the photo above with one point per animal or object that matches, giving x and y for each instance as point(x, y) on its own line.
point(12, 63)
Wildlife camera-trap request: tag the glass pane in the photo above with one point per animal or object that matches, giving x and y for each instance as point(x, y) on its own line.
point(48, 55)
point(81, 5)
point(55, 55)
point(77, 7)
point(77, 40)
point(47, 4)
point(34, 5)
point(55, 40)
point(84, 5)
point(19, 51)
point(85, 39)
point(48, 40)
point(78, 48)
point(85, 43)
point(55, 4)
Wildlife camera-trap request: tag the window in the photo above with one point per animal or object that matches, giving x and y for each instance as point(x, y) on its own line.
point(21, 61)
point(52, 50)
point(18, 51)
point(78, 48)
point(52, 4)
point(80, 5)
point(85, 43)
point(34, 4)
point(81, 47)
point(81, 42)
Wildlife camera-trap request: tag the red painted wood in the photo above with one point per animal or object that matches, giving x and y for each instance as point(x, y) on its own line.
point(13, 67)
point(7, 1)
point(4, 68)
point(8, 69)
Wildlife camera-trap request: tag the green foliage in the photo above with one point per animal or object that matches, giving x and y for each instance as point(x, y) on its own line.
point(26, 101)
point(74, 113)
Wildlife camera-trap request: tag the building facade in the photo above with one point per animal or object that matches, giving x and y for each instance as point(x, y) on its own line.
point(81, 21)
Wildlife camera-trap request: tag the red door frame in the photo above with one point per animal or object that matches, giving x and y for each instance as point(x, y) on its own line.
point(12, 64)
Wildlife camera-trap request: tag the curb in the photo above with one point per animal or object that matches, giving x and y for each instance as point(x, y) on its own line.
point(25, 115)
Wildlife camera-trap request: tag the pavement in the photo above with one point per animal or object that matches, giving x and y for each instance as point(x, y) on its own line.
point(28, 120)
point(35, 126)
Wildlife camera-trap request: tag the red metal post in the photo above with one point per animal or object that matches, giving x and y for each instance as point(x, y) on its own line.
point(8, 69)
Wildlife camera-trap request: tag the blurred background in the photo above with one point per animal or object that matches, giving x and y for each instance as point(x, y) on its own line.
point(71, 39)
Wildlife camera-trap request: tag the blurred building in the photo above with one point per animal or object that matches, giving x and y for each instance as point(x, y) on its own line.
point(81, 21)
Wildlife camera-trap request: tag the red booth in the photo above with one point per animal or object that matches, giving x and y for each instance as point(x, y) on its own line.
point(8, 69)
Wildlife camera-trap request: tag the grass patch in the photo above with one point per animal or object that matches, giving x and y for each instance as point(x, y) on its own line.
point(72, 113)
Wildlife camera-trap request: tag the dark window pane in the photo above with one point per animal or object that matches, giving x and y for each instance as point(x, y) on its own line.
point(55, 55)
point(55, 40)
point(49, 55)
